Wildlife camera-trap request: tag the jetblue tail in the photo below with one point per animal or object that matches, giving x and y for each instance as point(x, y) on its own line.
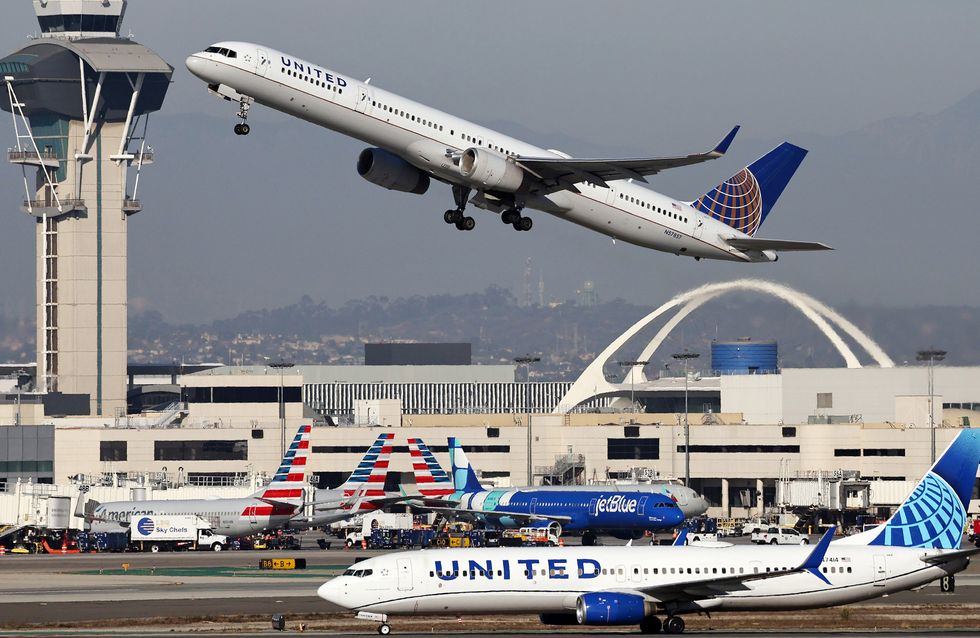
point(934, 514)
point(368, 478)
point(464, 478)
point(290, 479)
point(430, 479)
point(744, 200)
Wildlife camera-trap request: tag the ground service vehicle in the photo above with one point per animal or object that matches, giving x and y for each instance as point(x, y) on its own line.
point(171, 533)
point(780, 536)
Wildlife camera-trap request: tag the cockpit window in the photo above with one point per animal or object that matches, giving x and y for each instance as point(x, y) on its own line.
point(358, 573)
point(228, 53)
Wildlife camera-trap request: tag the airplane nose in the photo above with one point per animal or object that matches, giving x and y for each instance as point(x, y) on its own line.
point(195, 65)
point(332, 593)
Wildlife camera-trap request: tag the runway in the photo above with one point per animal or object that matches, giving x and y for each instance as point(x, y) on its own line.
point(227, 592)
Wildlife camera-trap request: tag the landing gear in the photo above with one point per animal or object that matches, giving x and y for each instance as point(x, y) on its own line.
point(456, 216)
point(674, 625)
point(513, 217)
point(384, 629)
point(651, 625)
point(589, 539)
point(244, 104)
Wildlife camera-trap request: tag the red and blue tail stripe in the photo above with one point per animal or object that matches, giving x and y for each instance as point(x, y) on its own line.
point(368, 478)
point(430, 479)
point(290, 478)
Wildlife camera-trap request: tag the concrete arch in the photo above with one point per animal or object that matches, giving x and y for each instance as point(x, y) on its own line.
point(592, 381)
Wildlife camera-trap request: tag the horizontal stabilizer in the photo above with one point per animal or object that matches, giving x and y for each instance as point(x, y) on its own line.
point(938, 559)
point(751, 243)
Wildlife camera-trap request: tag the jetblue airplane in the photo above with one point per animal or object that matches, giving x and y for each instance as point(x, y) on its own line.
point(411, 144)
point(607, 586)
point(621, 514)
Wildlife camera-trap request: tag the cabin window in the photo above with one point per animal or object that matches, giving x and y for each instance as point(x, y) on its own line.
point(848, 570)
point(432, 574)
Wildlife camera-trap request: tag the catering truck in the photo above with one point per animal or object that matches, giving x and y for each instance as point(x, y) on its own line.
point(173, 533)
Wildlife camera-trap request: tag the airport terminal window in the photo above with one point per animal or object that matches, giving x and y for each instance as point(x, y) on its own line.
point(112, 451)
point(884, 451)
point(260, 394)
point(850, 451)
point(743, 449)
point(200, 450)
point(648, 449)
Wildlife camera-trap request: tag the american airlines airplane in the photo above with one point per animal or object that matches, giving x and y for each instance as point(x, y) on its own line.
point(608, 586)
point(279, 504)
point(411, 144)
point(621, 514)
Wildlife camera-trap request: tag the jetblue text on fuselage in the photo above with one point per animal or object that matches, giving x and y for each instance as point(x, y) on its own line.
point(616, 503)
point(301, 67)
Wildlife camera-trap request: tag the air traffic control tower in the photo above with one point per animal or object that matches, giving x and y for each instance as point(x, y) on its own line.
point(80, 97)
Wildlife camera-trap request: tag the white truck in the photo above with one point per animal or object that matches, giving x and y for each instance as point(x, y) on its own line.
point(174, 532)
point(780, 536)
point(377, 520)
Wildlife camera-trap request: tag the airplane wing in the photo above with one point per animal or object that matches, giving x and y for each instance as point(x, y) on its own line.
point(722, 584)
point(462, 512)
point(558, 173)
point(751, 243)
point(379, 503)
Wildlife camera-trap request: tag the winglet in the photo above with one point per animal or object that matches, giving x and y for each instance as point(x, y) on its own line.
point(723, 145)
point(681, 538)
point(812, 562)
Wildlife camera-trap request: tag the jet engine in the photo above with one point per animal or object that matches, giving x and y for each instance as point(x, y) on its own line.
point(553, 527)
point(611, 608)
point(385, 169)
point(489, 171)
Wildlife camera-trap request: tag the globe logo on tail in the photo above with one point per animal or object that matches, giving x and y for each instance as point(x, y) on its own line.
point(933, 516)
point(737, 202)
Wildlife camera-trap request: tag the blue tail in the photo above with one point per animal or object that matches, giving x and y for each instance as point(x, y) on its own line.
point(934, 514)
point(464, 478)
point(744, 200)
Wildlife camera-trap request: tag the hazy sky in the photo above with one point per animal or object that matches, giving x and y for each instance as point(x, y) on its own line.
point(642, 77)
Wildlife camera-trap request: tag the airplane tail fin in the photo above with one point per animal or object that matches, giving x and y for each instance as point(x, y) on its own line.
point(934, 514)
point(431, 480)
point(290, 479)
point(744, 200)
point(464, 478)
point(368, 478)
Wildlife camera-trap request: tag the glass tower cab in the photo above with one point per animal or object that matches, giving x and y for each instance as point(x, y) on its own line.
point(76, 19)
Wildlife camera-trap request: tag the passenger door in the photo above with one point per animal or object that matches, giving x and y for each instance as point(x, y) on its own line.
point(264, 62)
point(363, 104)
point(405, 574)
point(880, 570)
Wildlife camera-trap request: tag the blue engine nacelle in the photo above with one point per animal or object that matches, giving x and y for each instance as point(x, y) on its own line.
point(611, 608)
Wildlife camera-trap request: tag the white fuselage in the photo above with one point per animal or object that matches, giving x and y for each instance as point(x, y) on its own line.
point(430, 139)
point(227, 516)
point(549, 580)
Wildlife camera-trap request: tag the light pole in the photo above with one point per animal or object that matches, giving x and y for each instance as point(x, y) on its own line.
point(526, 361)
point(685, 357)
point(281, 366)
point(632, 366)
point(932, 356)
point(19, 373)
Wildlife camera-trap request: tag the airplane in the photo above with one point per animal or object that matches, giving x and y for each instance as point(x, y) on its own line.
point(413, 144)
point(433, 481)
point(281, 504)
point(621, 514)
point(609, 586)
point(271, 507)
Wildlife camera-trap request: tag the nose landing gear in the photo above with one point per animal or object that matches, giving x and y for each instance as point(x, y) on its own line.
point(244, 104)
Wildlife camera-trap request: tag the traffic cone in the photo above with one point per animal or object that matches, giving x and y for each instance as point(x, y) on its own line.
point(561, 542)
point(3, 550)
point(363, 543)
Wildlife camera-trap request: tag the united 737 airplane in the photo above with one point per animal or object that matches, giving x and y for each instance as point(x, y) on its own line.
point(608, 586)
point(411, 144)
point(279, 504)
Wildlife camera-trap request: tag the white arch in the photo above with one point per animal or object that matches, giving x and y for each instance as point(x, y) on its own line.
point(592, 381)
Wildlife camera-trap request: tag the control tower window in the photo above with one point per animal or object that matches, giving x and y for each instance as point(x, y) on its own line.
point(78, 22)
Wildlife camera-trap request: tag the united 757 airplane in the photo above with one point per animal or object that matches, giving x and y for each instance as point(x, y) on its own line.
point(608, 586)
point(411, 144)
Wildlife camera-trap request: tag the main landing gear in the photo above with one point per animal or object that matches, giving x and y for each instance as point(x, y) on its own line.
point(244, 104)
point(653, 625)
point(384, 628)
point(513, 217)
point(456, 216)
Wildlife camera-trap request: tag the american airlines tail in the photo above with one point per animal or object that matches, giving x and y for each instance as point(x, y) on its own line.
point(368, 478)
point(744, 200)
point(934, 514)
point(290, 479)
point(464, 478)
point(430, 479)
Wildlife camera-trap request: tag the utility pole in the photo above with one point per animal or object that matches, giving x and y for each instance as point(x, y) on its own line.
point(932, 356)
point(281, 366)
point(685, 357)
point(526, 361)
